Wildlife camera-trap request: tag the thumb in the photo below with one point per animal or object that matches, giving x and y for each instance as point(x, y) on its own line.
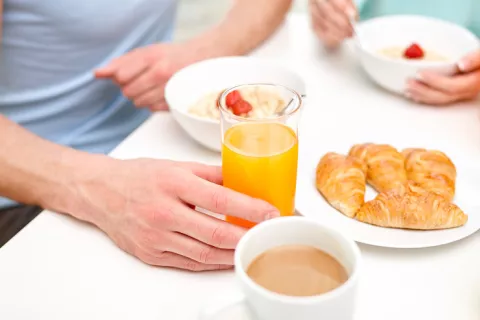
point(470, 62)
point(351, 10)
point(105, 72)
point(108, 70)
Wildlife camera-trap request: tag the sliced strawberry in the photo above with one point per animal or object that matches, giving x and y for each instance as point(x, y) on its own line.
point(241, 107)
point(414, 52)
point(232, 98)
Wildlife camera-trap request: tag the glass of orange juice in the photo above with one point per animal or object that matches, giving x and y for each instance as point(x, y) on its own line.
point(260, 147)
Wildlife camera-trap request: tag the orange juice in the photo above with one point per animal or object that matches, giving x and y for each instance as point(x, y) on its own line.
point(260, 160)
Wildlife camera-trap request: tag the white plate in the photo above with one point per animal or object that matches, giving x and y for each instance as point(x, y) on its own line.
point(310, 203)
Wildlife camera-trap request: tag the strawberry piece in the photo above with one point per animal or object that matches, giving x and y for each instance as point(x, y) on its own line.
point(414, 52)
point(241, 107)
point(232, 98)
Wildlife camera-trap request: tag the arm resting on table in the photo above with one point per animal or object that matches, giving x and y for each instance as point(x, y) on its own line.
point(38, 172)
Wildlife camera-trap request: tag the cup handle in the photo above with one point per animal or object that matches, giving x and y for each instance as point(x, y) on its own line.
point(214, 312)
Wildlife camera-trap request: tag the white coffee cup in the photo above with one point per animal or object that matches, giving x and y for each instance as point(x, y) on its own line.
point(262, 304)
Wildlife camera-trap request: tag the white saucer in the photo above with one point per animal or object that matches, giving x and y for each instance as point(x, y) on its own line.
point(311, 204)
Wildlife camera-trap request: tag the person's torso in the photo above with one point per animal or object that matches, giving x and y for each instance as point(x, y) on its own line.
point(462, 12)
point(49, 51)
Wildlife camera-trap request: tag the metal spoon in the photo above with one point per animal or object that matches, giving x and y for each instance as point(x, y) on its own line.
point(353, 23)
point(288, 107)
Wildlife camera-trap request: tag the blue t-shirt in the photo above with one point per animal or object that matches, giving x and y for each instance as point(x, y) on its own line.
point(48, 53)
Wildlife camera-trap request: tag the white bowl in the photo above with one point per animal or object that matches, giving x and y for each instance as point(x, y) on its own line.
point(188, 85)
point(442, 37)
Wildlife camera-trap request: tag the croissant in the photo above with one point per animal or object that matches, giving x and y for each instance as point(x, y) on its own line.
point(342, 180)
point(411, 207)
point(385, 165)
point(431, 170)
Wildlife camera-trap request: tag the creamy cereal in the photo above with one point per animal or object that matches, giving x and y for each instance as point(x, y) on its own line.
point(264, 101)
point(397, 53)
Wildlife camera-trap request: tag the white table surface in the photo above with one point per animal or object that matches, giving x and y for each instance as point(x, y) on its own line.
point(58, 268)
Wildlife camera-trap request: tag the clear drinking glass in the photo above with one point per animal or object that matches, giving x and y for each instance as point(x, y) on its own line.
point(260, 154)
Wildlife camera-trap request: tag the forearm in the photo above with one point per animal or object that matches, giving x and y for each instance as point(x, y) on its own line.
point(247, 25)
point(36, 171)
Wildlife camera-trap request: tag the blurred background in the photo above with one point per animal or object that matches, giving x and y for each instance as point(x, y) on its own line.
point(194, 16)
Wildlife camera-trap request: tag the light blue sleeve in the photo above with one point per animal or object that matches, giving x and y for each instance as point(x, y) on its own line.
point(360, 4)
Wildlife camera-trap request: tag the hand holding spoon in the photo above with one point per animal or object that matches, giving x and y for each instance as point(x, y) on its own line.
point(352, 17)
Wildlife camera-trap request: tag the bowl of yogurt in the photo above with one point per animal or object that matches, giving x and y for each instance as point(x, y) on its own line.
point(395, 48)
point(192, 93)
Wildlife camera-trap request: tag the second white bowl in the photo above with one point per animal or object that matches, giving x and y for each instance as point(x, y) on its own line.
point(442, 37)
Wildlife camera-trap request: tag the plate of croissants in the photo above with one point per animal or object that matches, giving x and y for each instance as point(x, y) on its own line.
point(382, 196)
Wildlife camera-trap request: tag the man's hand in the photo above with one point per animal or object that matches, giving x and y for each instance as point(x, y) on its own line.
point(331, 20)
point(143, 72)
point(435, 89)
point(148, 208)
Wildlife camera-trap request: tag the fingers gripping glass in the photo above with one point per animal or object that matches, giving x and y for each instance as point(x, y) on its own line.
point(260, 146)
